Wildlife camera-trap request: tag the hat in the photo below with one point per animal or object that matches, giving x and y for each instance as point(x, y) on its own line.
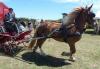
point(10, 9)
point(64, 13)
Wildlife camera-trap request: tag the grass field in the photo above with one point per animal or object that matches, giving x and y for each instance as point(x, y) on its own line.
point(87, 56)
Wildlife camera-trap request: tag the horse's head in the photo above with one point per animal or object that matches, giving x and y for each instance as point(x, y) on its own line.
point(84, 15)
point(89, 15)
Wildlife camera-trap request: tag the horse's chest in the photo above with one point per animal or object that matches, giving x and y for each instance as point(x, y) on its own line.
point(73, 39)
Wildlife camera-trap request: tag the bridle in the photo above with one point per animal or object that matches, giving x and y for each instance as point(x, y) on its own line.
point(85, 16)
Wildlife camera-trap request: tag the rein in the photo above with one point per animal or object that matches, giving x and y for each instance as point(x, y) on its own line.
point(77, 23)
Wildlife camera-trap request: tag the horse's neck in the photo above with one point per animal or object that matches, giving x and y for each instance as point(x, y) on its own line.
point(80, 22)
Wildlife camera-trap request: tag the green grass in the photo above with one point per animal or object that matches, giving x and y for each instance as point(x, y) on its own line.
point(87, 56)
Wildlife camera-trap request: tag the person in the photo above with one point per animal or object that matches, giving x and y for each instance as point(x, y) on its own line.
point(65, 17)
point(42, 21)
point(21, 26)
point(63, 29)
point(30, 26)
point(10, 16)
point(23, 23)
point(10, 21)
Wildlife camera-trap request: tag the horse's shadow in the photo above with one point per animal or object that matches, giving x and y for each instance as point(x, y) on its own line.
point(44, 60)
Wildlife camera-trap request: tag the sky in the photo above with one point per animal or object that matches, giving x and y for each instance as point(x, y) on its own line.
point(48, 9)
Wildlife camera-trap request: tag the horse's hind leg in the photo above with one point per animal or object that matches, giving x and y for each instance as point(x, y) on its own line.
point(39, 44)
point(72, 51)
point(31, 44)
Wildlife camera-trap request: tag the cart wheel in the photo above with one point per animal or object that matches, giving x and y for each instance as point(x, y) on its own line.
point(13, 49)
point(10, 49)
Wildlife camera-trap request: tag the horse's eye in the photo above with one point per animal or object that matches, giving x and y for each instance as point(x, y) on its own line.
point(93, 15)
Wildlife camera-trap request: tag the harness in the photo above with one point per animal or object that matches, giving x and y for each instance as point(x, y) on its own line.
point(64, 30)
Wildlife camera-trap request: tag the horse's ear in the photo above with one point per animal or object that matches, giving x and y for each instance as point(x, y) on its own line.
point(89, 8)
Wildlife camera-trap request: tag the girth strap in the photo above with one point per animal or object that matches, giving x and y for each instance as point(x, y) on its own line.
point(64, 31)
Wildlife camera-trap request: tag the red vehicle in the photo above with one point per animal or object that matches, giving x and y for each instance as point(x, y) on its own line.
point(9, 42)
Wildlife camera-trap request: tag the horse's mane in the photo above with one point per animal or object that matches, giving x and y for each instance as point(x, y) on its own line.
point(79, 18)
point(77, 10)
point(72, 16)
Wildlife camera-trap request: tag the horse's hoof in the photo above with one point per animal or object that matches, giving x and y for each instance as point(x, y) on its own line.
point(33, 51)
point(72, 59)
point(43, 54)
point(65, 54)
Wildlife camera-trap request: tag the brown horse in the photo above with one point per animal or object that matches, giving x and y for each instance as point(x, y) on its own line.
point(73, 29)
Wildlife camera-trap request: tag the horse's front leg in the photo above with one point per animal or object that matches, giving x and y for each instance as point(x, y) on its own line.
point(72, 51)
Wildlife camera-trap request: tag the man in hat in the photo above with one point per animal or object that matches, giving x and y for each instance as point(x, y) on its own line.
point(64, 18)
point(10, 16)
point(10, 21)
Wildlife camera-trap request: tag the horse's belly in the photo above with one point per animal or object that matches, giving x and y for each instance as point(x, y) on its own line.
point(73, 39)
point(59, 39)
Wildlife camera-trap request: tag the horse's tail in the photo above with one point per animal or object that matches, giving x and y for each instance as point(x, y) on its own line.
point(38, 33)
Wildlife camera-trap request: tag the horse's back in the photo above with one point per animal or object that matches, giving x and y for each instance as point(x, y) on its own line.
point(46, 27)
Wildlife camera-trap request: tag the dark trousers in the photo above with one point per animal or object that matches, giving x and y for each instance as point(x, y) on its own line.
point(64, 32)
point(10, 27)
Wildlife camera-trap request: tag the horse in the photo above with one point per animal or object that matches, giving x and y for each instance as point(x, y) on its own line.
point(75, 27)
